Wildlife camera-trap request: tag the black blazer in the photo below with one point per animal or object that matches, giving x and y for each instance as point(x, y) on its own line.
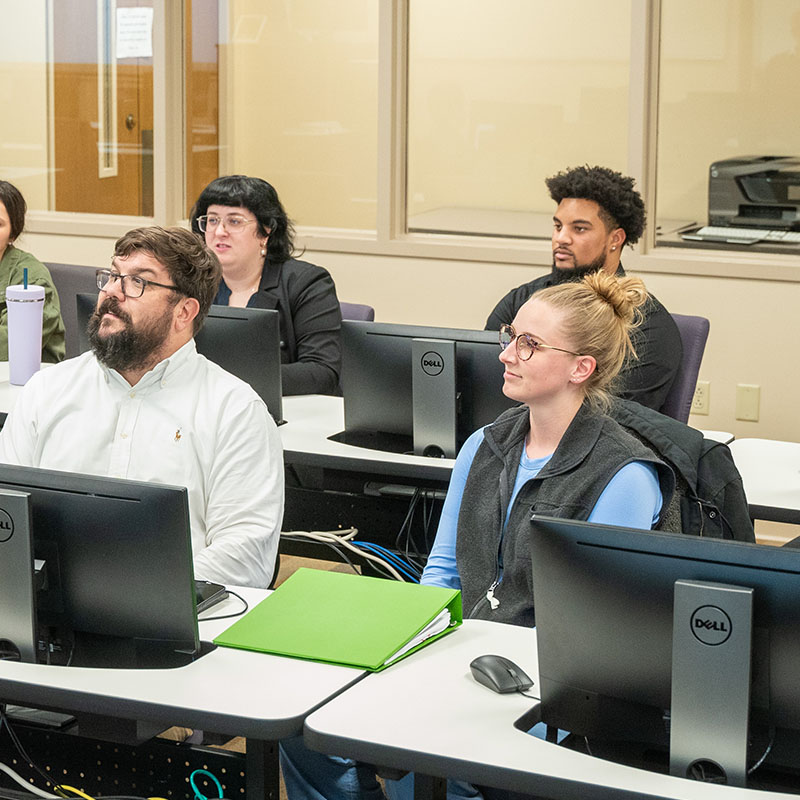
point(310, 322)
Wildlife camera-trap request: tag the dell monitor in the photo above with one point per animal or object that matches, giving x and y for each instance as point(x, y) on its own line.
point(17, 583)
point(410, 388)
point(669, 640)
point(114, 584)
point(244, 341)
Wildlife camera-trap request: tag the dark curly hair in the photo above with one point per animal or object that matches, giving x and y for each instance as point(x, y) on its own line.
point(258, 197)
point(621, 206)
point(193, 268)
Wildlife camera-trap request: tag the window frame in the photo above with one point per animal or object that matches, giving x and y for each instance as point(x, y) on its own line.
point(167, 143)
point(391, 237)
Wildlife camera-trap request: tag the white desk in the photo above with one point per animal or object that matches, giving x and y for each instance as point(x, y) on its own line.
point(311, 419)
point(230, 691)
point(770, 471)
point(718, 436)
point(227, 690)
point(427, 714)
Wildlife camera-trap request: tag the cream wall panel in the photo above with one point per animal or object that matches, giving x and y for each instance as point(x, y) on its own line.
point(754, 325)
point(495, 107)
point(87, 250)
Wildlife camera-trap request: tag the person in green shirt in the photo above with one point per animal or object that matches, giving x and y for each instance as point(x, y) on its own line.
point(13, 262)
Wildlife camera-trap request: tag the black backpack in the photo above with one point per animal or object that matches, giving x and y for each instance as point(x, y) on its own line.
point(709, 498)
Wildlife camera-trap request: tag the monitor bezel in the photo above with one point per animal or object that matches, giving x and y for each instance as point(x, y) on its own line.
point(117, 559)
point(603, 598)
point(376, 382)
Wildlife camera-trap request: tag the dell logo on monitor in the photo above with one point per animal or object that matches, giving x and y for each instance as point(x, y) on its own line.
point(432, 363)
point(6, 526)
point(711, 625)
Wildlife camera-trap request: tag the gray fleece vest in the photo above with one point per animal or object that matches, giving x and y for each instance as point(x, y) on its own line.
point(590, 453)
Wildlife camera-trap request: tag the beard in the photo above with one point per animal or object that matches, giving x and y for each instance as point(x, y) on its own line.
point(129, 348)
point(578, 272)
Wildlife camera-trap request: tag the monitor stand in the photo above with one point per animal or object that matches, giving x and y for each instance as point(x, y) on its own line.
point(17, 590)
point(711, 664)
point(433, 382)
point(68, 648)
point(376, 440)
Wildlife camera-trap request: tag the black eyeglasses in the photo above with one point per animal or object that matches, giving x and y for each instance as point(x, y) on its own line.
point(526, 344)
point(131, 285)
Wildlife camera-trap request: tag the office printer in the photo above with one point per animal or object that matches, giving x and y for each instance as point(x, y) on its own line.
point(755, 191)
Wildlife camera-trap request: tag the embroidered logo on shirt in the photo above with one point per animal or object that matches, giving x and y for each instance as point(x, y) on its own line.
point(178, 435)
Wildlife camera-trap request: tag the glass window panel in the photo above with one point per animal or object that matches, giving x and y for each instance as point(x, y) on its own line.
point(728, 89)
point(24, 127)
point(301, 105)
point(504, 94)
point(80, 75)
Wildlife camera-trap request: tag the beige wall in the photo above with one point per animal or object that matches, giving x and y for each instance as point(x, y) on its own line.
point(495, 107)
point(492, 110)
point(753, 323)
point(753, 336)
point(496, 102)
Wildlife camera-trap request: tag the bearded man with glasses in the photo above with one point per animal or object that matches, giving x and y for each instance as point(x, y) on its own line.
point(144, 405)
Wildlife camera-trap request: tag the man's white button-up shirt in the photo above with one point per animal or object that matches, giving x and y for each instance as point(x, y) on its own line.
point(187, 422)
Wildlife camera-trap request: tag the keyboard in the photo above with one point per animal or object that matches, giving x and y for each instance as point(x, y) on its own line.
point(742, 235)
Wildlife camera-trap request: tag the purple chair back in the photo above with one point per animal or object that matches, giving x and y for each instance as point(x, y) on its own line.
point(694, 334)
point(357, 311)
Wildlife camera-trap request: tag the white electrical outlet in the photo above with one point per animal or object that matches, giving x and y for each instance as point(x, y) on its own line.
point(701, 402)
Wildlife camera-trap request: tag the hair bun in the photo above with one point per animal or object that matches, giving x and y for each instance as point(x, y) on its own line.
point(625, 294)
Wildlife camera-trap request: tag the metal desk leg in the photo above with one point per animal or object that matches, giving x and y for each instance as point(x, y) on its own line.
point(428, 787)
point(262, 770)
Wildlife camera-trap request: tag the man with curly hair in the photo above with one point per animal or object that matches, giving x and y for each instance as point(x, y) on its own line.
point(598, 213)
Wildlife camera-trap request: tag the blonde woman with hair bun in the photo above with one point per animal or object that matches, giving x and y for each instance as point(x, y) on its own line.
point(558, 453)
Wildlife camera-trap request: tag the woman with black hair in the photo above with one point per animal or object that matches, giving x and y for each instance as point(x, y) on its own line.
point(245, 225)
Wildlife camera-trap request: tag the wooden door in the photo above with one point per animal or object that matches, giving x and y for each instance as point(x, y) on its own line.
point(103, 114)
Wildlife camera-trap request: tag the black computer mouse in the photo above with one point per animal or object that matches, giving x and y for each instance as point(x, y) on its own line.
point(499, 674)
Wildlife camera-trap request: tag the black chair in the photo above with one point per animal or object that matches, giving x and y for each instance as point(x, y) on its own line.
point(71, 280)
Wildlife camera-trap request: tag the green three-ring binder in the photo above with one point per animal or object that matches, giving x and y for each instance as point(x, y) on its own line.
point(345, 619)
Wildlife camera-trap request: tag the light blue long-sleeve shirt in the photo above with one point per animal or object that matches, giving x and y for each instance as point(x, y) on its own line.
point(631, 499)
